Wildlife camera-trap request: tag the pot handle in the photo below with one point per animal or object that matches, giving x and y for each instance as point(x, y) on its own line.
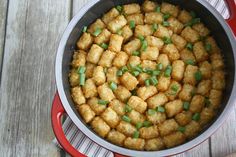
point(232, 11)
point(56, 113)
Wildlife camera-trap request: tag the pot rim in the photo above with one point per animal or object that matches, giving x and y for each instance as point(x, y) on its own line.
point(124, 151)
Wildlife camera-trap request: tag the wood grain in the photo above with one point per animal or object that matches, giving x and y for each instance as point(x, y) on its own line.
point(223, 141)
point(202, 150)
point(3, 17)
point(33, 32)
point(77, 4)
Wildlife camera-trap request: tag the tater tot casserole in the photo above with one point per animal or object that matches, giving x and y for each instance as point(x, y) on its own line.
point(147, 76)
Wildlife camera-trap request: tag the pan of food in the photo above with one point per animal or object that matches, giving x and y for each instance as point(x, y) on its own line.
point(146, 78)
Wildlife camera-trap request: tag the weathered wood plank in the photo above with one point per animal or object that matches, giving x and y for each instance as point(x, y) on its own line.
point(223, 142)
point(77, 4)
point(3, 17)
point(33, 32)
point(203, 150)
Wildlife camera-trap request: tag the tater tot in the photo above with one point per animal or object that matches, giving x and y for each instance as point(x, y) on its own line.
point(201, 29)
point(178, 70)
point(157, 100)
point(206, 116)
point(154, 42)
point(215, 98)
point(190, 34)
point(183, 118)
point(204, 87)
point(120, 59)
point(129, 81)
point(174, 139)
point(142, 77)
point(154, 144)
point(171, 51)
point(137, 103)
point(98, 24)
point(77, 95)
point(146, 92)
point(79, 59)
point(218, 80)
point(186, 92)
point(122, 93)
point(149, 132)
point(117, 106)
point(214, 47)
point(85, 41)
point(73, 78)
point(132, 46)
point(156, 118)
point(134, 143)
point(110, 117)
point(89, 70)
point(184, 16)
point(162, 32)
point(117, 23)
point(86, 112)
point(126, 128)
point(105, 92)
point(136, 18)
point(151, 53)
point(217, 61)
point(115, 43)
point(205, 68)
point(103, 37)
point(164, 60)
point(179, 41)
point(107, 58)
point(98, 75)
point(134, 60)
point(143, 30)
point(189, 74)
point(148, 64)
point(110, 15)
point(131, 9)
point(192, 129)
point(167, 127)
point(173, 107)
point(89, 88)
point(173, 90)
point(127, 33)
point(163, 83)
point(97, 108)
point(171, 9)
point(175, 25)
point(197, 103)
point(116, 137)
point(187, 55)
point(153, 17)
point(149, 6)
point(112, 75)
point(100, 126)
point(200, 52)
point(136, 117)
point(94, 54)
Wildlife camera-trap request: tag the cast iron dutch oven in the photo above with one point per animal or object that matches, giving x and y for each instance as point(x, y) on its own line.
point(95, 9)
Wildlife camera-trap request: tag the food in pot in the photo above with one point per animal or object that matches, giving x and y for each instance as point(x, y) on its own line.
point(147, 77)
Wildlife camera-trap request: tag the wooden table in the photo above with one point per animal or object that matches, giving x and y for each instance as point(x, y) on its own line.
point(30, 31)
